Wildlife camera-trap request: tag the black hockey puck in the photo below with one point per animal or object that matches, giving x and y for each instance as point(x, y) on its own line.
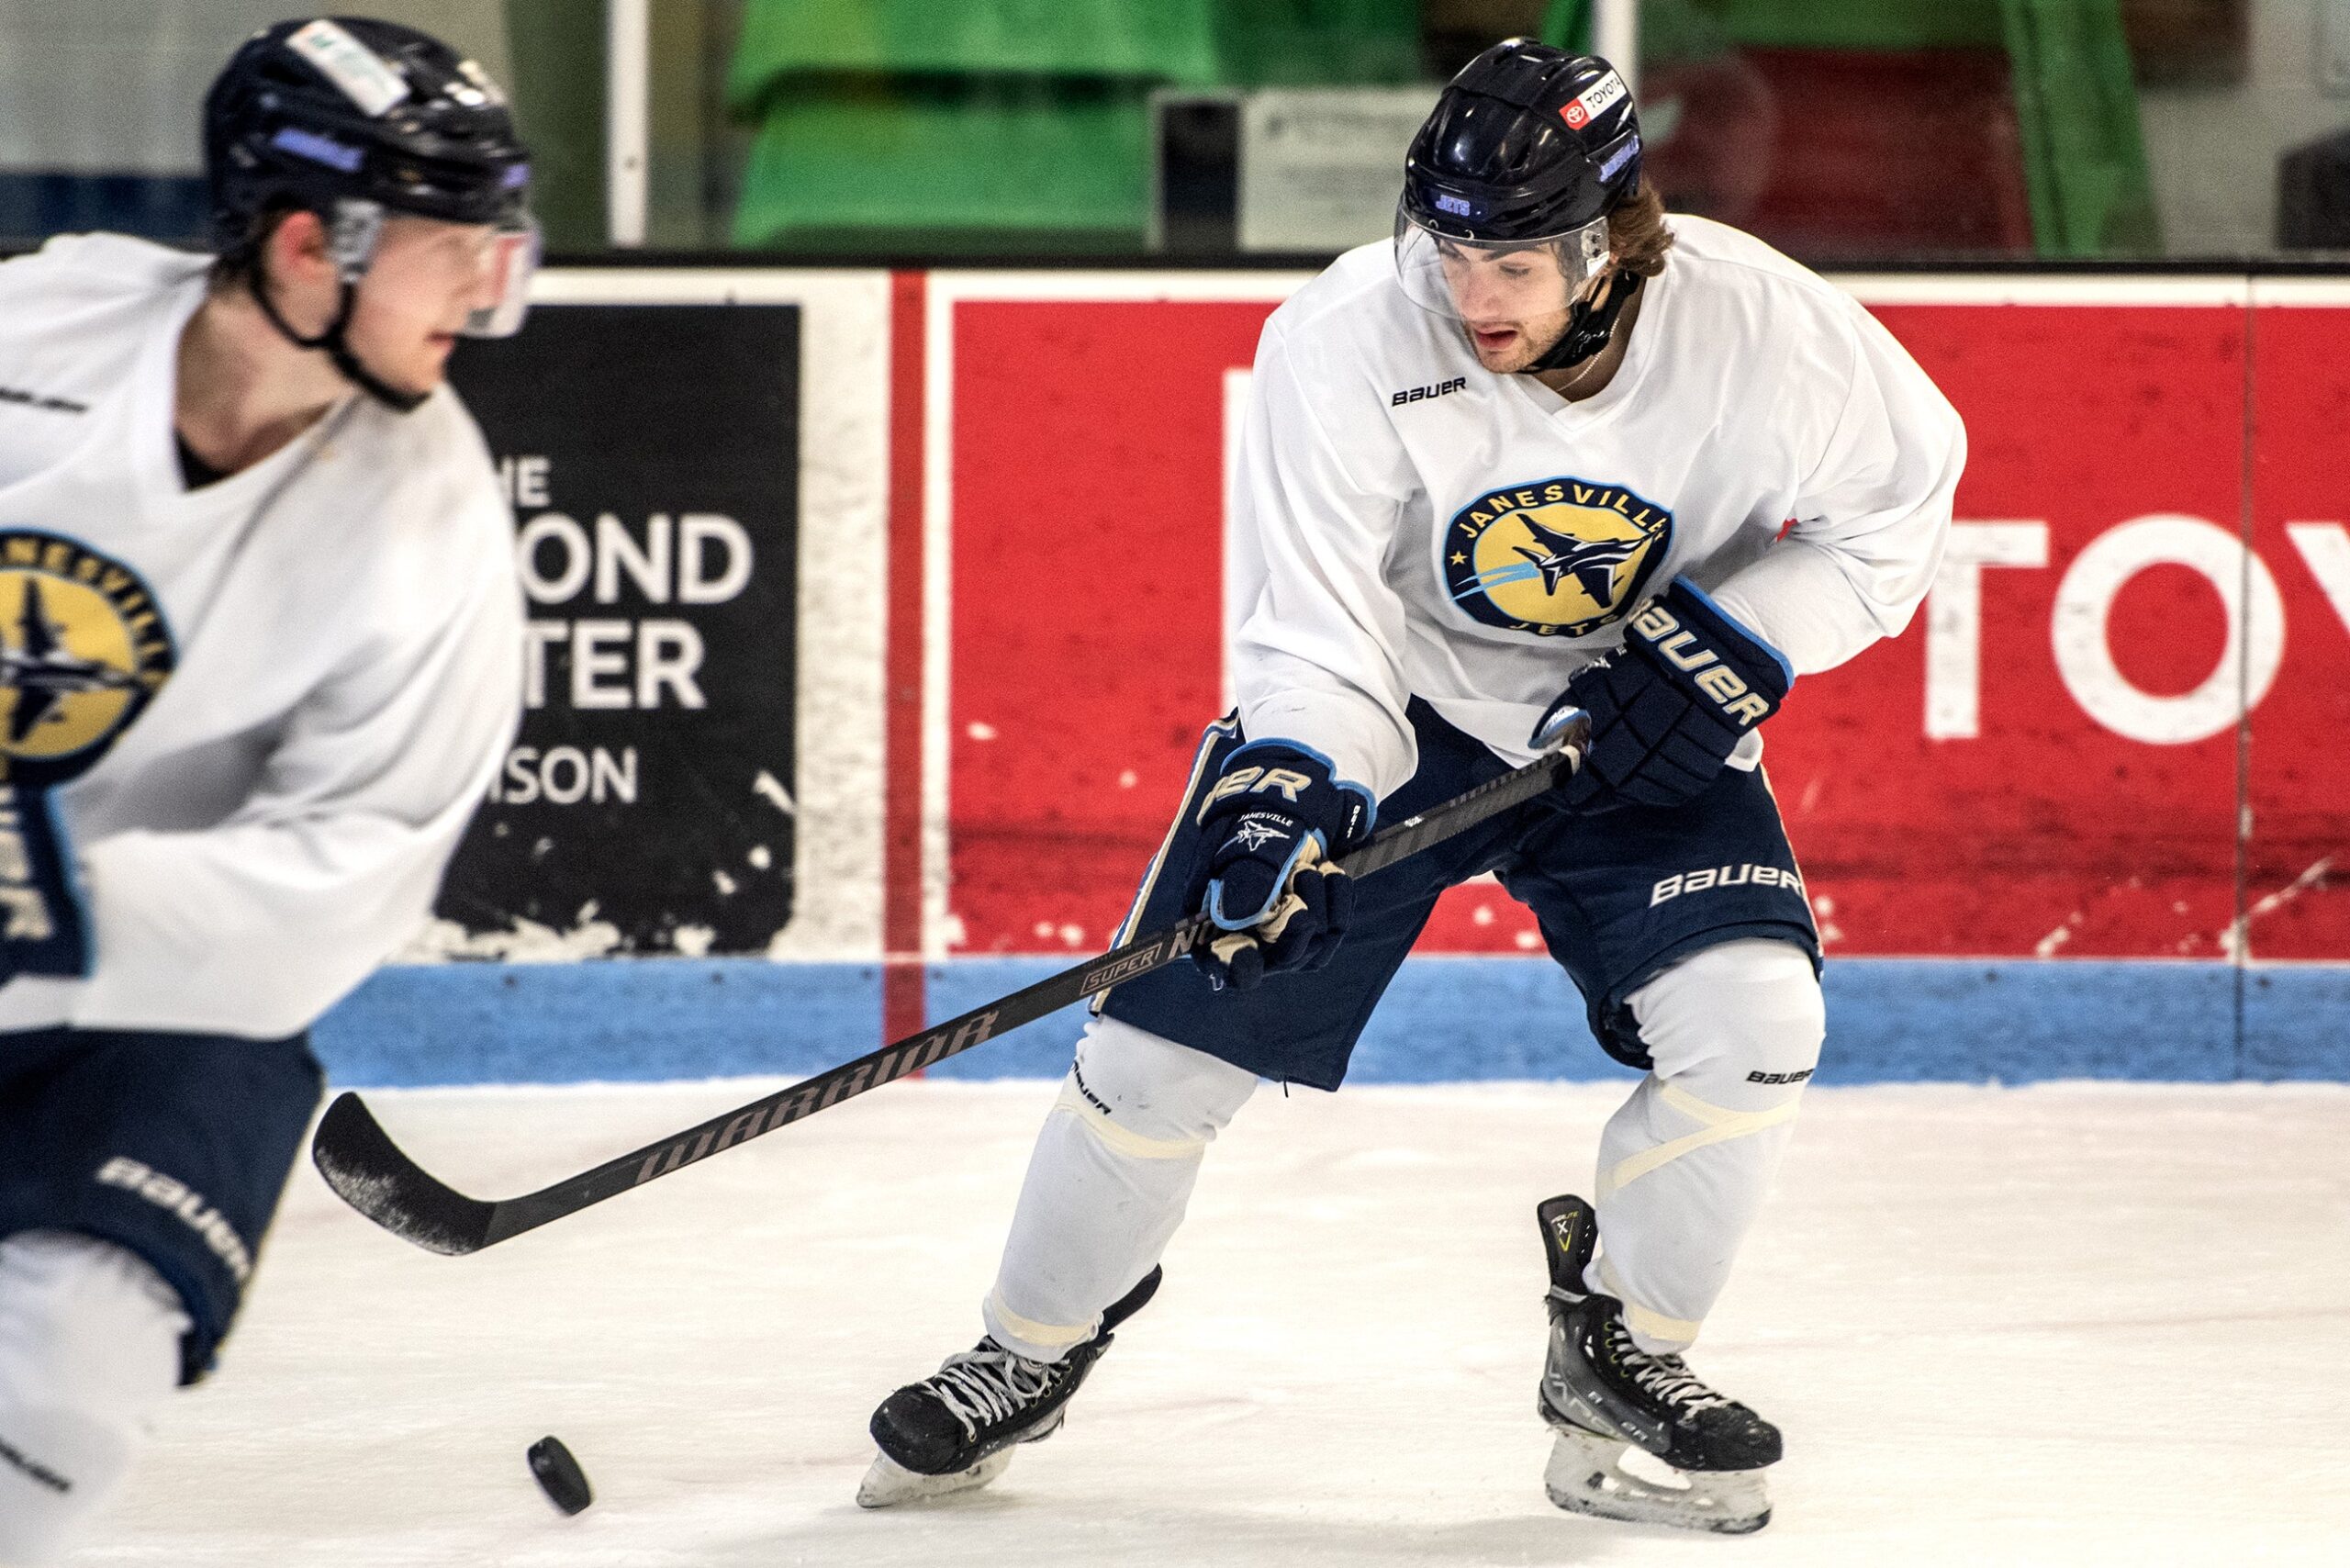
point(559, 1475)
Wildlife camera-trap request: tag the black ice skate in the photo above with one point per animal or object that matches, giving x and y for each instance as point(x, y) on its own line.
point(956, 1430)
point(1604, 1394)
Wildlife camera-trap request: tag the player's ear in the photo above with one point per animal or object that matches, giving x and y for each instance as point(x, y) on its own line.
point(297, 248)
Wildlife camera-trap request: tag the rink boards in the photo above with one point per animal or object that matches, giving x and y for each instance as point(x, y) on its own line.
point(2086, 817)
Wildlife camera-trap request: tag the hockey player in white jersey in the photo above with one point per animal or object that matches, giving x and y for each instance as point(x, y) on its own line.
point(260, 639)
point(1543, 451)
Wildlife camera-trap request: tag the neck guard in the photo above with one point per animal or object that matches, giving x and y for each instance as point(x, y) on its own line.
point(1589, 326)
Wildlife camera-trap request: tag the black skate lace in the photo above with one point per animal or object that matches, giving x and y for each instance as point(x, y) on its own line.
point(1668, 1377)
point(989, 1383)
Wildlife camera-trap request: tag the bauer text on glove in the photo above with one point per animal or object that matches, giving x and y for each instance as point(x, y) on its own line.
point(1669, 707)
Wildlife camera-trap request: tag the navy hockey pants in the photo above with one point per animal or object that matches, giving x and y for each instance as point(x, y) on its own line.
point(174, 1147)
point(1619, 896)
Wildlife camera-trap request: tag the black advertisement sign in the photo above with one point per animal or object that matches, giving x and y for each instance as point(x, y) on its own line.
point(651, 456)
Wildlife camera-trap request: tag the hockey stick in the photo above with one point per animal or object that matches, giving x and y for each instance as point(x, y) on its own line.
point(368, 1171)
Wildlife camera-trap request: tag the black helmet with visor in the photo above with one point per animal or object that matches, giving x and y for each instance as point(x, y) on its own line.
point(1529, 147)
point(353, 120)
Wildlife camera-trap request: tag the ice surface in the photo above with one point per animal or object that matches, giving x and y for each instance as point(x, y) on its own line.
point(2067, 1325)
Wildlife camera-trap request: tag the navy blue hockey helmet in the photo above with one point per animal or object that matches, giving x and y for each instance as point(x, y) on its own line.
point(349, 107)
point(354, 118)
point(1528, 149)
point(1528, 143)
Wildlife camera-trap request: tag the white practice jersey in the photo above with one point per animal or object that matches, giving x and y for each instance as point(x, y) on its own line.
point(1407, 523)
point(266, 707)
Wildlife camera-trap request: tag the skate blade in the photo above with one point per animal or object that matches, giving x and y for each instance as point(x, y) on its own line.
point(889, 1483)
point(1586, 1475)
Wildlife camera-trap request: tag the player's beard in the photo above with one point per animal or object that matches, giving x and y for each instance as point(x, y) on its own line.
point(1533, 339)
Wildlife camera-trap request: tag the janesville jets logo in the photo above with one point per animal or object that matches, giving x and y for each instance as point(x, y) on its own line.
point(1559, 557)
point(1254, 833)
point(83, 647)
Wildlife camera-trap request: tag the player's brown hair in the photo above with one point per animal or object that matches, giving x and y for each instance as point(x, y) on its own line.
point(240, 264)
point(1636, 236)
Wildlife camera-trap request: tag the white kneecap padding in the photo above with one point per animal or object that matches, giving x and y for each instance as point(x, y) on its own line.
point(1107, 1183)
point(1168, 1096)
point(89, 1348)
point(1734, 1031)
point(1738, 1025)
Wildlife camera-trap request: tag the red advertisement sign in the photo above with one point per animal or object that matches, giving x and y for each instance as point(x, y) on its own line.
point(2153, 537)
point(2296, 754)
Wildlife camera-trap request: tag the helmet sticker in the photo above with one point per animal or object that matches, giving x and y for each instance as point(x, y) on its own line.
point(472, 72)
point(350, 65)
point(318, 149)
point(1617, 159)
point(1593, 100)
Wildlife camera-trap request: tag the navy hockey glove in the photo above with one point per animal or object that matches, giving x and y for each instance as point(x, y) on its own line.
point(1667, 710)
point(1268, 831)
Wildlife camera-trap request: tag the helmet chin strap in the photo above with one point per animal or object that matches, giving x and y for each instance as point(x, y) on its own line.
point(338, 349)
point(1589, 326)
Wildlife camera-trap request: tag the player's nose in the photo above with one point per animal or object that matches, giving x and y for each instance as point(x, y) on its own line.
point(488, 288)
point(1481, 303)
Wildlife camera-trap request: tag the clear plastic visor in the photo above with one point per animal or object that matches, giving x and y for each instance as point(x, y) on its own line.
point(505, 257)
point(509, 261)
point(1520, 280)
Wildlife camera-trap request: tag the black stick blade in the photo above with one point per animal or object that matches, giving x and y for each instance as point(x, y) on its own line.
point(368, 1172)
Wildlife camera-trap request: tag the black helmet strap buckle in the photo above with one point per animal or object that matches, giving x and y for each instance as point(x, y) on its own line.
point(355, 228)
point(1589, 326)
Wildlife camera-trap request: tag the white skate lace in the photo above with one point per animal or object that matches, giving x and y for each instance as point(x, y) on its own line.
point(1667, 1378)
point(989, 1383)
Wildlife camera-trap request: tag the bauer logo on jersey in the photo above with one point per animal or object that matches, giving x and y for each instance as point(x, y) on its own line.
point(83, 647)
point(1557, 559)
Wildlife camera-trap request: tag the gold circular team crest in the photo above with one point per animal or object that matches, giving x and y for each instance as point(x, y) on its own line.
point(1557, 558)
point(83, 647)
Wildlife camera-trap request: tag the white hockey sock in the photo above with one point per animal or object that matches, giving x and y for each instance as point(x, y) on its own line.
point(1734, 1031)
point(89, 1348)
point(1108, 1182)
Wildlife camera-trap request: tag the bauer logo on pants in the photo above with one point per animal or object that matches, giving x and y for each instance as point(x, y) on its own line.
point(1558, 557)
point(1698, 882)
point(170, 1194)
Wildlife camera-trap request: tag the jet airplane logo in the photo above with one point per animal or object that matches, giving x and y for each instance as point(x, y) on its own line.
point(1556, 558)
point(43, 672)
point(1254, 834)
point(83, 649)
point(1592, 561)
